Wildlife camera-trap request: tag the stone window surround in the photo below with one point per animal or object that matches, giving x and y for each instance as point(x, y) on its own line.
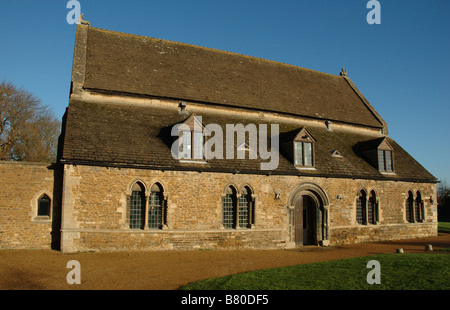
point(413, 209)
point(238, 193)
point(34, 208)
point(164, 202)
point(377, 213)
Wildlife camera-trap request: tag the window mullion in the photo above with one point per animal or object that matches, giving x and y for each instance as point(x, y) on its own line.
point(192, 144)
point(236, 212)
point(147, 197)
point(303, 154)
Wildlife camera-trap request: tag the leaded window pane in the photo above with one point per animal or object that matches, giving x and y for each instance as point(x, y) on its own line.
point(417, 210)
point(228, 211)
point(244, 211)
point(185, 147)
point(409, 208)
point(155, 211)
point(359, 214)
point(137, 201)
point(360, 208)
point(298, 153)
point(371, 215)
point(388, 160)
point(308, 154)
point(381, 160)
point(198, 145)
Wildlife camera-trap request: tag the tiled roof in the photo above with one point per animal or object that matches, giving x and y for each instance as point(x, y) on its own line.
point(123, 63)
point(131, 135)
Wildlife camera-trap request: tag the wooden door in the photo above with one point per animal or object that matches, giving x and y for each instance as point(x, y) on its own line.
point(309, 227)
point(304, 220)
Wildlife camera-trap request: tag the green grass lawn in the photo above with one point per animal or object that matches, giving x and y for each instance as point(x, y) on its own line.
point(444, 227)
point(398, 272)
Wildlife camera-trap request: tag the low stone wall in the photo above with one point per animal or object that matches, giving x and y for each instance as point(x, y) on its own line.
point(178, 240)
point(22, 184)
point(371, 233)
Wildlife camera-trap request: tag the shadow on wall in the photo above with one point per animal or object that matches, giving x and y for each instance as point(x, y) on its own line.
point(57, 206)
point(58, 174)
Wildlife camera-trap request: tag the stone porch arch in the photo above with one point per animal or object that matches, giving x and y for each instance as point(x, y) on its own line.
point(321, 201)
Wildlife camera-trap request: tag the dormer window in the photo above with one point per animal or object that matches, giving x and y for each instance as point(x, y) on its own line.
point(380, 153)
point(190, 139)
point(304, 149)
point(191, 144)
point(385, 157)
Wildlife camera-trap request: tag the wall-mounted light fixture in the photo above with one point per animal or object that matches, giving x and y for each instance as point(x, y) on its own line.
point(277, 195)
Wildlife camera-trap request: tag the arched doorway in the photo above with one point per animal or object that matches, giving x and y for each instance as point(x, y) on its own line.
point(308, 216)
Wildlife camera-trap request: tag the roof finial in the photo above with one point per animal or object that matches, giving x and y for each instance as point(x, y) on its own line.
point(343, 72)
point(82, 21)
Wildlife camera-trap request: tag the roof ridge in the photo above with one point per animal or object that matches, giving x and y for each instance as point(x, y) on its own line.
point(214, 76)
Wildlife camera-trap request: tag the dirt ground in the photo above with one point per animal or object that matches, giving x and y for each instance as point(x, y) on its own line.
point(168, 270)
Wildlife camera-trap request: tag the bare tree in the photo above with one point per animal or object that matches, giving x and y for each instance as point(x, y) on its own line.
point(28, 129)
point(443, 192)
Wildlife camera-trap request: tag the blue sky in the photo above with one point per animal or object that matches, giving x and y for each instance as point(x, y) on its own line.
point(401, 66)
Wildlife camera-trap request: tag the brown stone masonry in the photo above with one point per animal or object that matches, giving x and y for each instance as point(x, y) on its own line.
point(95, 215)
point(21, 185)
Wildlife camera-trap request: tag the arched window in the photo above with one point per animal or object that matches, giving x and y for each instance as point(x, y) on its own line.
point(238, 209)
point(410, 207)
point(361, 207)
point(155, 207)
point(372, 212)
point(419, 210)
point(137, 206)
point(229, 207)
point(44, 206)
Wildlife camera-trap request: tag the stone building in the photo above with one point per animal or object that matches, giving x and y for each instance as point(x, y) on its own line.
point(167, 145)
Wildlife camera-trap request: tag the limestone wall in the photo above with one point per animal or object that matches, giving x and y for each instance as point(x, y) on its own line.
point(21, 185)
point(95, 210)
point(95, 207)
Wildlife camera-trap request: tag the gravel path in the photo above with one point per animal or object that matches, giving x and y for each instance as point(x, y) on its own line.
point(168, 270)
